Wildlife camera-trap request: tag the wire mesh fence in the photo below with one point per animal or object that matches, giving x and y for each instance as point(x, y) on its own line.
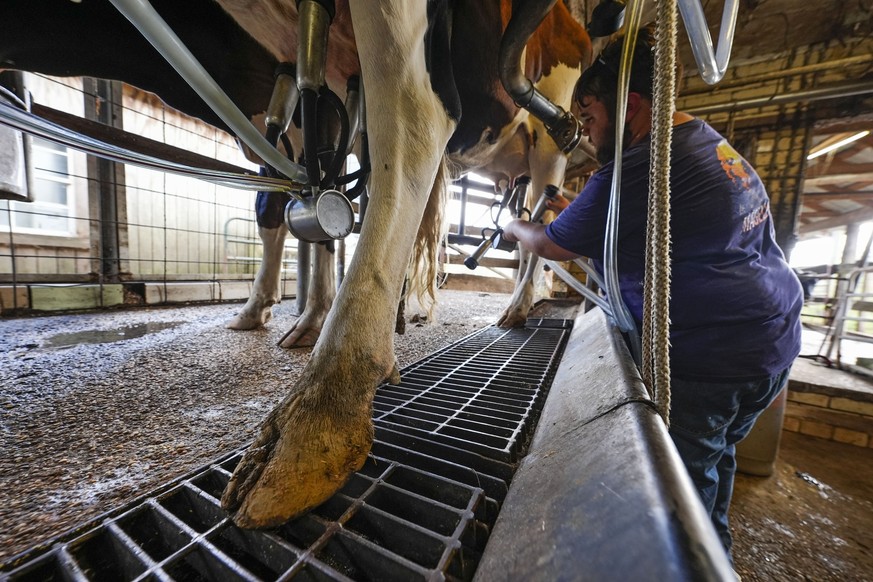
point(159, 227)
point(93, 233)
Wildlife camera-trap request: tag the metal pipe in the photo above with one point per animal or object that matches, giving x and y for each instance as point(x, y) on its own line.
point(314, 22)
point(158, 33)
point(311, 58)
point(461, 252)
point(815, 94)
point(561, 125)
point(549, 193)
point(496, 241)
point(34, 125)
point(785, 73)
point(712, 66)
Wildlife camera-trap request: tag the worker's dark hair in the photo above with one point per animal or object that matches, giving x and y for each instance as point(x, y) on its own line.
point(600, 80)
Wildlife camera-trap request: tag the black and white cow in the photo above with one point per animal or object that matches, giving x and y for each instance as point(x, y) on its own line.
point(434, 106)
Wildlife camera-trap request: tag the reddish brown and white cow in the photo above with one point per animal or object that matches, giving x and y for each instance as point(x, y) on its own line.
point(424, 66)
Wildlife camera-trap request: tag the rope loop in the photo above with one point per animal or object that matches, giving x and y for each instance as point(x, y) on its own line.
point(656, 301)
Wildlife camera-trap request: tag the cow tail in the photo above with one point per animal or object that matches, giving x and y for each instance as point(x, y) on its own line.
point(431, 232)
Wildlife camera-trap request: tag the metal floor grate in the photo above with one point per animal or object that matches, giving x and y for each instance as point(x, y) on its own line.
point(421, 508)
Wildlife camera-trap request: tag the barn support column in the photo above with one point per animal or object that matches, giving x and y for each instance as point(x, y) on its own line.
point(850, 249)
point(106, 188)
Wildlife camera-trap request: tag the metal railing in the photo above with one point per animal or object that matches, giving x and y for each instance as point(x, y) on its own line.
point(853, 315)
point(240, 248)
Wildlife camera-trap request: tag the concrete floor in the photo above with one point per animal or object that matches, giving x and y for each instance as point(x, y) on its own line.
point(86, 428)
point(812, 519)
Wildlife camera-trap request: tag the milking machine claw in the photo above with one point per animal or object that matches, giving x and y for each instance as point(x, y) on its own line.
point(496, 241)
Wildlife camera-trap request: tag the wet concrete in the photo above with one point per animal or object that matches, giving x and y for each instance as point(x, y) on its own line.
point(105, 336)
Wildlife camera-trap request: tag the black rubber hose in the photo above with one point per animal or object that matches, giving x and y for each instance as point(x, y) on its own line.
point(272, 134)
point(309, 114)
point(356, 191)
point(339, 158)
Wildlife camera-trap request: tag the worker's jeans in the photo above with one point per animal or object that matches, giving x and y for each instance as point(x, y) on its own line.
point(707, 420)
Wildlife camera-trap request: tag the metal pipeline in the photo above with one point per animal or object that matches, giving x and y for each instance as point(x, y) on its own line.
point(835, 91)
point(34, 125)
point(158, 33)
point(561, 125)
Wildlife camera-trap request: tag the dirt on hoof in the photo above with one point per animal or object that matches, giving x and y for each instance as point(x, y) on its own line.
point(509, 320)
point(304, 454)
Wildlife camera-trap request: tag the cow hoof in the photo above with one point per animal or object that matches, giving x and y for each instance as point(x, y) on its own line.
point(305, 331)
point(300, 336)
point(300, 459)
point(245, 320)
point(512, 319)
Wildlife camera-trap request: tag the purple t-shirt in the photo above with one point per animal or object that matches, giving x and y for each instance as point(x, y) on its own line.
point(735, 303)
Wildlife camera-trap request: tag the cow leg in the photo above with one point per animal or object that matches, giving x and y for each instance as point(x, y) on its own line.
point(320, 296)
point(265, 290)
point(547, 166)
point(322, 432)
point(269, 208)
point(522, 299)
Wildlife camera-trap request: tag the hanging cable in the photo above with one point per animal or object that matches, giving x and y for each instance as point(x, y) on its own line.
point(623, 319)
point(656, 299)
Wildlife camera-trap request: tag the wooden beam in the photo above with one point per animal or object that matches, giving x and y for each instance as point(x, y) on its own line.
point(837, 221)
point(838, 167)
point(843, 125)
point(846, 178)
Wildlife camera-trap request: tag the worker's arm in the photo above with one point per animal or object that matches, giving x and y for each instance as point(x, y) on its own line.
point(532, 236)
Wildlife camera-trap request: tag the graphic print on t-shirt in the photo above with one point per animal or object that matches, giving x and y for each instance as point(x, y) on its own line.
point(733, 164)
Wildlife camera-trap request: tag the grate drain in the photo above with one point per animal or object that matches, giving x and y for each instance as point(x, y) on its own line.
point(421, 508)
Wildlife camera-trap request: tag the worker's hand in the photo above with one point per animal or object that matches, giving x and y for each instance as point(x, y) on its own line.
point(557, 204)
point(509, 234)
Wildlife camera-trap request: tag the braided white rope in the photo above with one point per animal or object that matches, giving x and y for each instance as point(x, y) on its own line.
point(656, 302)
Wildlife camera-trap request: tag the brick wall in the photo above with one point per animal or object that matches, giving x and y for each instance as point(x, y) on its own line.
point(833, 416)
